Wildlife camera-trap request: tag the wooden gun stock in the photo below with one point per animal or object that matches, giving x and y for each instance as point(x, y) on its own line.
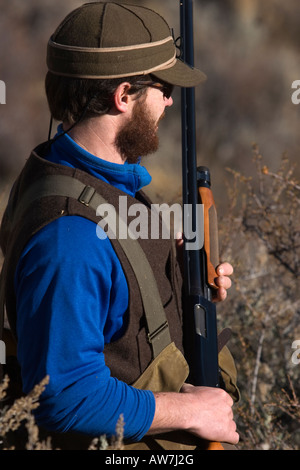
point(211, 239)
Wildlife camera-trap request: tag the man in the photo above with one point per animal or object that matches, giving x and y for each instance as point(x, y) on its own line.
point(73, 297)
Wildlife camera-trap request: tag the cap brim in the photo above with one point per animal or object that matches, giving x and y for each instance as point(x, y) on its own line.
point(181, 75)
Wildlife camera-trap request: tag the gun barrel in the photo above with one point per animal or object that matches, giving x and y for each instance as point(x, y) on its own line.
point(200, 330)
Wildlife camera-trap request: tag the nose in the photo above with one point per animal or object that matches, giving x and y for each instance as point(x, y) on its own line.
point(168, 101)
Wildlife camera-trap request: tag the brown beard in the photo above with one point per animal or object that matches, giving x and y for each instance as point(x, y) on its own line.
point(139, 136)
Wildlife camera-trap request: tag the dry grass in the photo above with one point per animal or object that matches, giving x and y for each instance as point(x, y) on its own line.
point(19, 415)
point(260, 236)
point(18, 429)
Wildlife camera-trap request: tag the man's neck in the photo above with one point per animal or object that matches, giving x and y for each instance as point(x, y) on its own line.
point(97, 136)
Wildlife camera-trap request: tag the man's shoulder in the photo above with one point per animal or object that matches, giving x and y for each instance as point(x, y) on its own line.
point(71, 237)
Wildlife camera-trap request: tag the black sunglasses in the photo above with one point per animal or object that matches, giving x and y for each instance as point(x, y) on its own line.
point(165, 88)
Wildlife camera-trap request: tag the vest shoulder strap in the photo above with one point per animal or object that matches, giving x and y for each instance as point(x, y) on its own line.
point(70, 187)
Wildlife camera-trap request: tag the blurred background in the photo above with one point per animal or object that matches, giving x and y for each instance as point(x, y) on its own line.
point(249, 50)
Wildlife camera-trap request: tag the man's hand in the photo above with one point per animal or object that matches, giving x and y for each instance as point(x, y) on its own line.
point(205, 412)
point(212, 416)
point(223, 281)
point(224, 270)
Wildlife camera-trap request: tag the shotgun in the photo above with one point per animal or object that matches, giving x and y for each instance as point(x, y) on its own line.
point(200, 235)
point(200, 221)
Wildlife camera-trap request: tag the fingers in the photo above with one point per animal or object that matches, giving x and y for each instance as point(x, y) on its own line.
point(223, 281)
point(224, 269)
point(232, 435)
point(210, 415)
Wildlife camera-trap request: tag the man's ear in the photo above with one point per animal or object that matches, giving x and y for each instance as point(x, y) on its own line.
point(122, 99)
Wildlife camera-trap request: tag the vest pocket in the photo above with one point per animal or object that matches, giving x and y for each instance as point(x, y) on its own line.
point(166, 373)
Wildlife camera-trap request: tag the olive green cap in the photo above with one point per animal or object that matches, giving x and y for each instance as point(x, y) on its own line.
point(110, 40)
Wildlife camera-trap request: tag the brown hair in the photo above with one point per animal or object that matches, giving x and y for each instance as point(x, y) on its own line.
point(73, 99)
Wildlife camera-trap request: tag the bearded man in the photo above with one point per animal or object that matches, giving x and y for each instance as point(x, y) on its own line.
point(74, 300)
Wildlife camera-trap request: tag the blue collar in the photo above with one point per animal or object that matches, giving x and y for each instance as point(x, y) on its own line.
point(128, 177)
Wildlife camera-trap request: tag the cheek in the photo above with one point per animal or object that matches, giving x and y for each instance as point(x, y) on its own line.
point(159, 113)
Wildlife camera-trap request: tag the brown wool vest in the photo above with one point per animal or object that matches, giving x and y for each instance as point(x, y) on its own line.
point(129, 356)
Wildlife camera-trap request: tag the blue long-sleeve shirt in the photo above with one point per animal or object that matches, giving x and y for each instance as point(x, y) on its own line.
point(72, 299)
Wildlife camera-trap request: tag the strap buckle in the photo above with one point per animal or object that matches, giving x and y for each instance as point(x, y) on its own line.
point(156, 332)
point(87, 195)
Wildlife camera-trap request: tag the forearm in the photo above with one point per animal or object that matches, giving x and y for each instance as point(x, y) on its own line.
point(168, 413)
